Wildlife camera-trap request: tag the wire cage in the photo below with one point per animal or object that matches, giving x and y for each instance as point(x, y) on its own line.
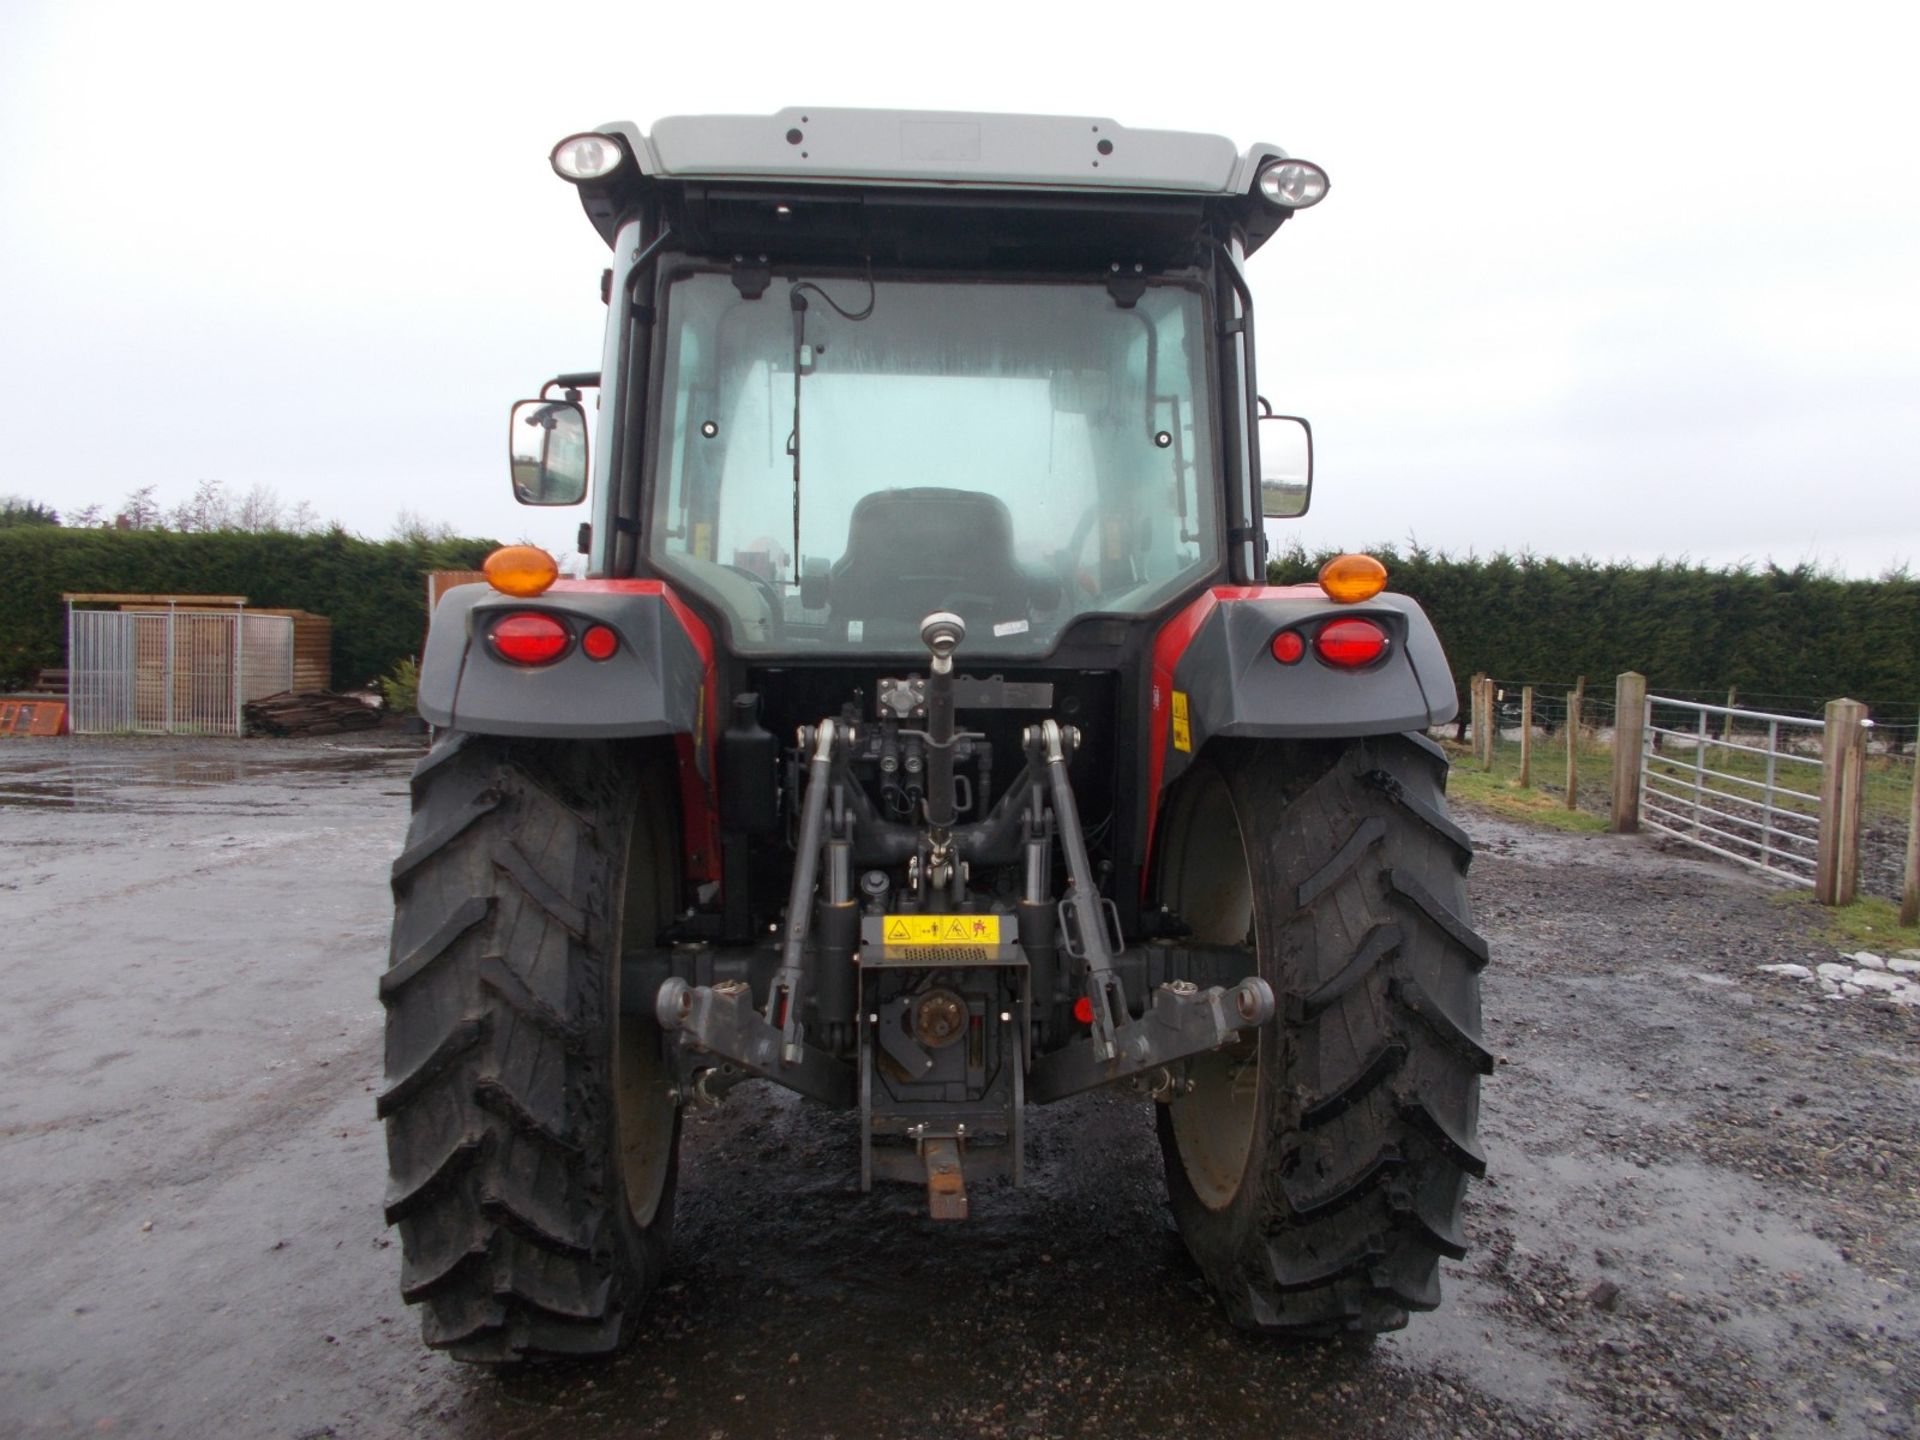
point(171, 664)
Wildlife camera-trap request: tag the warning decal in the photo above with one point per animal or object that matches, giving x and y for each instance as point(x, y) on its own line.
point(1182, 732)
point(943, 930)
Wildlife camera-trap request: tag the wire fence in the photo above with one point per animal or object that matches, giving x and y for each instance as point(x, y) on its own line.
point(1762, 775)
point(1546, 756)
point(1886, 818)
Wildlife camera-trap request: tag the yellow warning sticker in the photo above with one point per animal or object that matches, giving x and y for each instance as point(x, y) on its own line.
point(943, 930)
point(1182, 731)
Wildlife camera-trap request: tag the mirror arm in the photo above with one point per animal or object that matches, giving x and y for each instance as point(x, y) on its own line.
point(573, 382)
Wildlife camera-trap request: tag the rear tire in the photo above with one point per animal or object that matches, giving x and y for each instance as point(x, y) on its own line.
point(531, 1135)
point(1317, 1172)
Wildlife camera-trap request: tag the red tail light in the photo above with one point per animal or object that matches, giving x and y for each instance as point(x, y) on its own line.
point(599, 642)
point(1350, 644)
point(529, 638)
point(1083, 1010)
point(1288, 647)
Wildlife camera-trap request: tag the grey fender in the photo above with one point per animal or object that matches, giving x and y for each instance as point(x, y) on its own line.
point(657, 682)
point(1216, 661)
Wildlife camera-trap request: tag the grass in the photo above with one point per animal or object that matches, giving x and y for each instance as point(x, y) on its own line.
point(1499, 790)
point(1868, 923)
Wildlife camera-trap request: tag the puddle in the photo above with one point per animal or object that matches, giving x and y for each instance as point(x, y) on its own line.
point(158, 784)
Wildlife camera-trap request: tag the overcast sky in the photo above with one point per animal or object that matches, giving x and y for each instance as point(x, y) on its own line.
point(1599, 281)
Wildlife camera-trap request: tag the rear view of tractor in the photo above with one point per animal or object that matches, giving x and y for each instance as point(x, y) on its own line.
point(926, 739)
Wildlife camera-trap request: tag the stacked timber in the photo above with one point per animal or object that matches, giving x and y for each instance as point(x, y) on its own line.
point(310, 713)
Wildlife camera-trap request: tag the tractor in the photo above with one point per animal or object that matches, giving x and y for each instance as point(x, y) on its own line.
point(924, 737)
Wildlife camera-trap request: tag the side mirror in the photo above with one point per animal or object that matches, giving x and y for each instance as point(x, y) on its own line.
point(547, 452)
point(1286, 466)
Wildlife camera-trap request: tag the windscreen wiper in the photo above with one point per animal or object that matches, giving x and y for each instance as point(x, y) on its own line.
point(799, 303)
point(803, 361)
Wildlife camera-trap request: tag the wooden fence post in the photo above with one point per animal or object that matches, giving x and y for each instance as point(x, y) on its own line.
point(1574, 702)
point(1910, 886)
point(1526, 737)
point(1475, 694)
point(1733, 699)
point(1843, 754)
point(1629, 718)
point(1573, 749)
point(1490, 706)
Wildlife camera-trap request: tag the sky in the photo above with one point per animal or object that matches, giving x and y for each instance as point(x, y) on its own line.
point(1626, 282)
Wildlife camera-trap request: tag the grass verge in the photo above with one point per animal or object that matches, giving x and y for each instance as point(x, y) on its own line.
point(1505, 797)
point(1869, 923)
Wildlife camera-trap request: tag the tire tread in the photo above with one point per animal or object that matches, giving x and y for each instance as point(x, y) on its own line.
point(1355, 1188)
point(501, 1180)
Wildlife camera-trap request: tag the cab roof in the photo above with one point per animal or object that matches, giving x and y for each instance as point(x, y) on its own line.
point(945, 148)
point(936, 186)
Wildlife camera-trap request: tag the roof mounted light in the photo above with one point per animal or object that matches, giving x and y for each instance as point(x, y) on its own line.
point(587, 157)
point(1293, 184)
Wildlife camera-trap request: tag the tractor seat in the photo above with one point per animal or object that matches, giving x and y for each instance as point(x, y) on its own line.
point(911, 552)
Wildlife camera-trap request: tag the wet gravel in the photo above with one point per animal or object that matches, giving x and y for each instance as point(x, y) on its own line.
point(1701, 1219)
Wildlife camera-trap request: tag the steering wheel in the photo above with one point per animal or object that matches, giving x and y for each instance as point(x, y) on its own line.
point(776, 608)
point(1075, 578)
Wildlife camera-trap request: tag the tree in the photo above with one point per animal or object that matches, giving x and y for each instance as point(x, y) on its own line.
point(259, 511)
point(303, 519)
point(140, 511)
point(87, 517)
point(18, 510)
point(207, 511)
point(414, 528)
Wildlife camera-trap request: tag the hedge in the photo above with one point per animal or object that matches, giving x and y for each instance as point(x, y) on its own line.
point(1771, 632)
point(373, 591)
point(1796, 634)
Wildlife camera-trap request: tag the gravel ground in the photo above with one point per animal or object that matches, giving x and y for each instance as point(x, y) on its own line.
point(1700, 1218)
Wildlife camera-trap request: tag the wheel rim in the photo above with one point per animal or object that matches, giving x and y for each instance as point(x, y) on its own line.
point(644, 1110)
point(1212, 890)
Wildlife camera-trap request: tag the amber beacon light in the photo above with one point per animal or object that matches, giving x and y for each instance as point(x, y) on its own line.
point(522, 570)
point(1353, 578)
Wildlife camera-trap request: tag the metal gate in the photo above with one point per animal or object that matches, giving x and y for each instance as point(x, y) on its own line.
point(1744, 784)
point(172, 671)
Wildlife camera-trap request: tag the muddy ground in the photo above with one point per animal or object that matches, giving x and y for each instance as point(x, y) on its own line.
point(1702, 1217)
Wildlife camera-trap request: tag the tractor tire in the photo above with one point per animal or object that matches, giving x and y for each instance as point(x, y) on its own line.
point(1317, 1171)
point(532, 1135)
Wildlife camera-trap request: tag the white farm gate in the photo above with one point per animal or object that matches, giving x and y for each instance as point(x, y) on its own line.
point(172, 669)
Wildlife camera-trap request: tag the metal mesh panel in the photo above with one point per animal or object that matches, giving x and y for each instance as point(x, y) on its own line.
point(266, 651)
point(99, 672)
point(173, 672)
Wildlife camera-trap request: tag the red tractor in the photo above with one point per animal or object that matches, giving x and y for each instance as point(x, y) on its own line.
point(926, 738)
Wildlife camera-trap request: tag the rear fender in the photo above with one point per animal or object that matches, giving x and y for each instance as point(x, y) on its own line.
point(1215, 675)
point(660, 681)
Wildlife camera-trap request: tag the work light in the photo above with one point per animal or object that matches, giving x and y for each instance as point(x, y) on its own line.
point(587, 157)
point(1293, 184)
